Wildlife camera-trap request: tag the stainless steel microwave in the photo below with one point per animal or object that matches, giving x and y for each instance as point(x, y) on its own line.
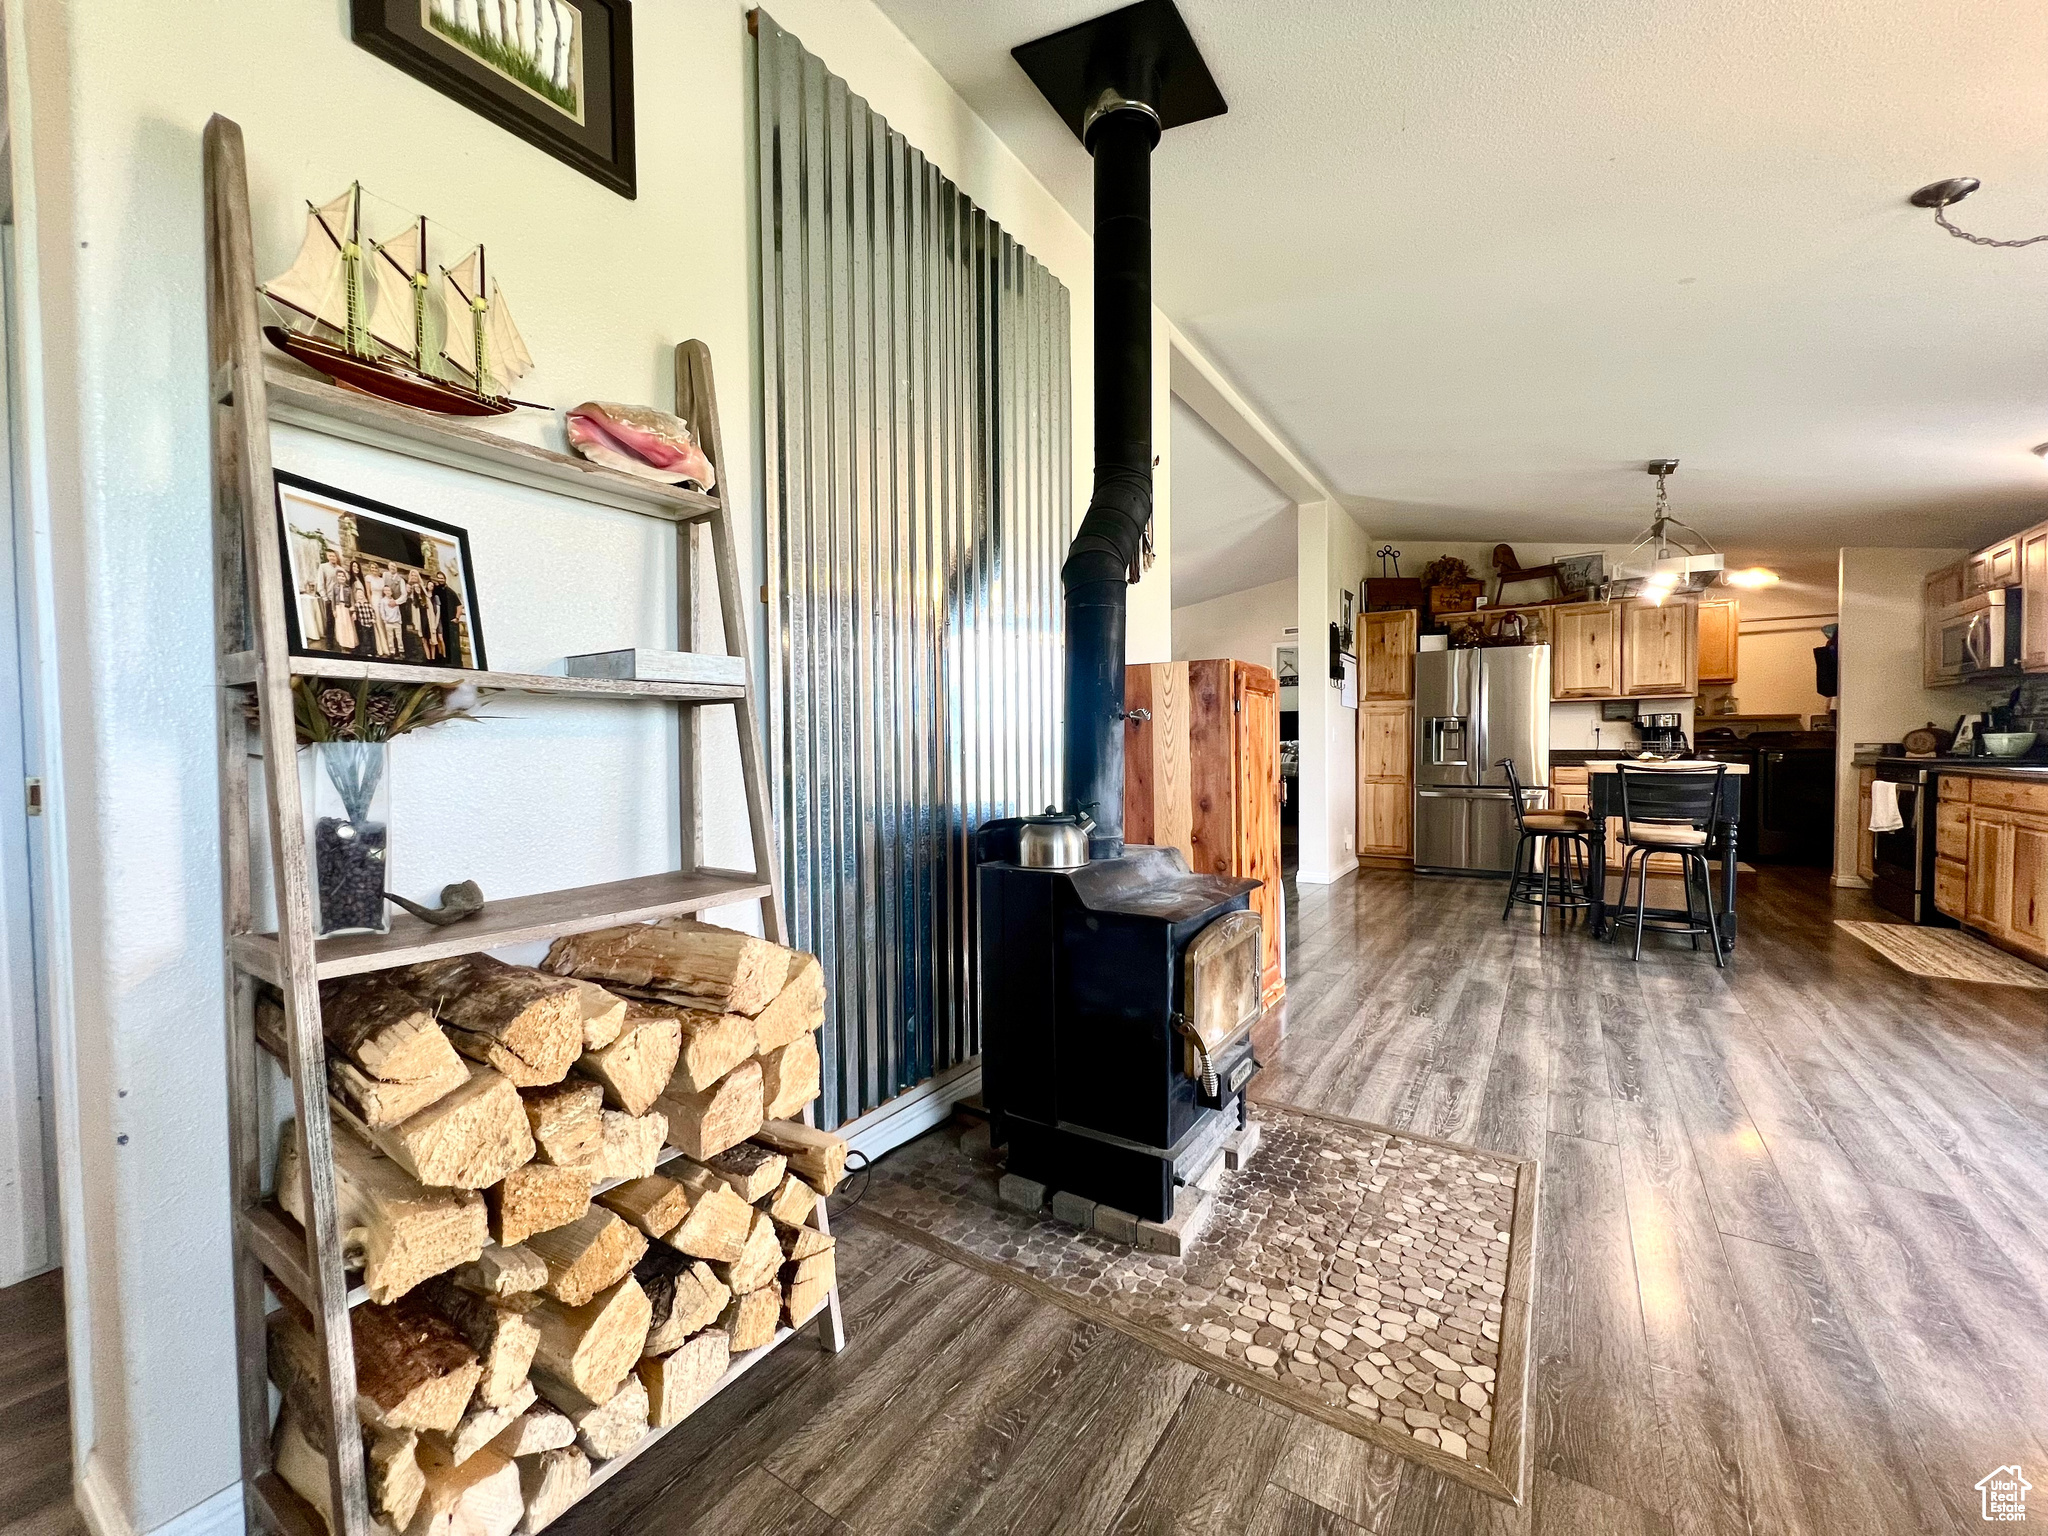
point(1979, 637)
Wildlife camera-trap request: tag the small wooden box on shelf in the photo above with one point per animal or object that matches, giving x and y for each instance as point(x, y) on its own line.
point(350, 1231)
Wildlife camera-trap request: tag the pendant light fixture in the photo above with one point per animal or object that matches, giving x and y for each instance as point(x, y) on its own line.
point(1670, 556)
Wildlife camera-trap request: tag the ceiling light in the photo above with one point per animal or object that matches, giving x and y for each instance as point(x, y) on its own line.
point(1939, 194)
point(2039, 450)
point(1755, 576)
point(1670, 554)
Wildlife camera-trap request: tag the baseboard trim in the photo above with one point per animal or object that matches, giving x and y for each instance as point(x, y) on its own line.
point(910, 1114)
point(1850, 882)
point(1386, 861)
point(101, 1511)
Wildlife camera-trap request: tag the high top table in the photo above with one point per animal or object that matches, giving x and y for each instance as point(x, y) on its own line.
point(1603, 800)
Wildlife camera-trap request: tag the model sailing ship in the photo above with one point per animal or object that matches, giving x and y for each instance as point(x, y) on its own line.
point(377, 322)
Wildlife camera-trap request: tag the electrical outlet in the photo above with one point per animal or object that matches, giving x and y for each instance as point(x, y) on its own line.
point(1347, 842)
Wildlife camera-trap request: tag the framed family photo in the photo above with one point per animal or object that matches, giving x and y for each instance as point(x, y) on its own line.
point(558, 73)
point(369, 582)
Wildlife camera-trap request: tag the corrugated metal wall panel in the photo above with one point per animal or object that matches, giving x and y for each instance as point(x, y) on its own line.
point(917, 417)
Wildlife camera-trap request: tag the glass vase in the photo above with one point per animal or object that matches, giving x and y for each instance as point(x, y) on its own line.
point(348, 819)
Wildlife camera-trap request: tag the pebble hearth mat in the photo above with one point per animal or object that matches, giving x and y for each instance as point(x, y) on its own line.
point(1377, 1281)
point(1944, 954)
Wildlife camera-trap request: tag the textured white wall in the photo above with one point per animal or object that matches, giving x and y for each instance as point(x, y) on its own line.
point(547, 795)
point(1245, 625)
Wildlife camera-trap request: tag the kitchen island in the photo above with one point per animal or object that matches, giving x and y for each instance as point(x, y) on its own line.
point(1603, 802)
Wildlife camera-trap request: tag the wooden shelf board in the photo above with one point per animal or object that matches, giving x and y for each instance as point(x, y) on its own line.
point(302, 398)
point(512, 920)
point(239, 670)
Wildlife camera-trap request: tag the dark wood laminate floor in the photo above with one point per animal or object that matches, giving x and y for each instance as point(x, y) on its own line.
point(1793, 1265)
point(1793, 1269)
point(35, 1419)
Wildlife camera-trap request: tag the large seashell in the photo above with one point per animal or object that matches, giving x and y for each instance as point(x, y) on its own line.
point(639, 440)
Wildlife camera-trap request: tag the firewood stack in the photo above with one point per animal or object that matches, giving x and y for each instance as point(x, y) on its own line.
point(540, 1297)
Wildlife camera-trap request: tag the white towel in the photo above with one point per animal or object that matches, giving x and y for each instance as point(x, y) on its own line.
point(1884, 807)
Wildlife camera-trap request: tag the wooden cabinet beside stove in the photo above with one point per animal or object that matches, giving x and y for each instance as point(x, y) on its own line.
point(1203, 775)
point(1991, 864)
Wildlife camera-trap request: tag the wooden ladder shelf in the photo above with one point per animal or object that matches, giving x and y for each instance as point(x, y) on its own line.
point(251, 391)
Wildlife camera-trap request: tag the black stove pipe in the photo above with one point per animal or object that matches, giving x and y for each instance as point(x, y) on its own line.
point(1105, 549)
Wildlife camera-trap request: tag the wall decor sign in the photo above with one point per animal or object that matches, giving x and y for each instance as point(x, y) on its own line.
point(559, 73)
point(370, 582)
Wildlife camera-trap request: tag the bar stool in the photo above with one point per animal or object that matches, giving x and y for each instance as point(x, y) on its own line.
point(1670, 810)
point(1529, 882)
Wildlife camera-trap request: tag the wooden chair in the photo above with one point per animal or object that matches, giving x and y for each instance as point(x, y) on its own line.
point(1670, 810)
point(1529, 882)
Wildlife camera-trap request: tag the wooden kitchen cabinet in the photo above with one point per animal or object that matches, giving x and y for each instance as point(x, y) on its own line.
point(1991, 863)
point(1866, 843)
point(1202, 774)
point(1952, 830)
point(1987, 886)
point(1385, 825)
point(1720, 623)
point(1941, 590)
point(1386, 655)
point(1386, 780)
point(1585, 658)
point(2033, 565)
point(2027, 901)
point(1989, 569)
point(1659, 649)
point(1385, 741)
point(1951, 880)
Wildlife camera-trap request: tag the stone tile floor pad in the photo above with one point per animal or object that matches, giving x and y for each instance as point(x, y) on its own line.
point(1376, 1280)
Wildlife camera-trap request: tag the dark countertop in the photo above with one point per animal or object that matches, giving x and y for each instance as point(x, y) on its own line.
point(1575, 757)
point(1976, 767)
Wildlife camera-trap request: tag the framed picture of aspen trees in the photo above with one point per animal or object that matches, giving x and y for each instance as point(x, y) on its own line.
point(558, 73)
point(369, 582)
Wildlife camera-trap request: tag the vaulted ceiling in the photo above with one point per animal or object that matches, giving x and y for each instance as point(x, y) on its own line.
point(1478, 259)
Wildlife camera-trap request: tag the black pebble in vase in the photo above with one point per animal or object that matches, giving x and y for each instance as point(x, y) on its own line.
point(349, 860)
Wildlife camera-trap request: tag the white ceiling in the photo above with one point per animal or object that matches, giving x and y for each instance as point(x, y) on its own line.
point(1479, 259)
point(1232, 529)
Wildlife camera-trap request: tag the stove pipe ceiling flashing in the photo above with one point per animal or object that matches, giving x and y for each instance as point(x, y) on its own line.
point(1119, 81)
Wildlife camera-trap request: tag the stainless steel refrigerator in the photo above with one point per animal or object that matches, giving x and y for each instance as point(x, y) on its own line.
point(1472, 709)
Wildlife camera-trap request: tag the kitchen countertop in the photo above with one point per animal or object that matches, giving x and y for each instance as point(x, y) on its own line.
point(1975, 767)
point(1578, 757)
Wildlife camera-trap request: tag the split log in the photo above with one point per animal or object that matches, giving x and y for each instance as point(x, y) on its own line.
point(371, 1100)
point(724, 1115)
point(540, 1428)
point(391, 1464)
point(727, 971)
point(683, 1295)
point(802, 1242)
point(550, 1483)
point(400, 1232)
point(758, 1261)
point(632, 1144)
point(749, 1320)
point(468, 1139)
point(391, 1469)
point(588, 1255)
point(793, 1201)
point(502, 1272)
point(521, 1022)
point(536, 1197)
point(586, 1351)
point(819, 1266)
point(500, 1332)
point(678, 1381)
point(719, 1220)
point(478, 1496)
point(802, 1300)
point(818, 1157)
point(385, 1030)
point(413, 1370)
point(655, 1205)
point(567, 1124)
point(750, 1171)
point(636, 1066)
point(712, 1044)
point(615, 1427)
point(604, 1015)
point(798, 1009)
point(482, 1425)
point(789, 1077)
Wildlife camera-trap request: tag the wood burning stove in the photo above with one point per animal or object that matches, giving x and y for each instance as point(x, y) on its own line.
point(1117, 996)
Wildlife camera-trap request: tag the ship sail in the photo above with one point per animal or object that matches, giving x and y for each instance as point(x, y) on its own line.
point(458, 289)
point(396, 316)
point(506, 359)
point(313, 284)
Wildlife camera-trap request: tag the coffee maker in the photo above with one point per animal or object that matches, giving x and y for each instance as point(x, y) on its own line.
point(1662, 734)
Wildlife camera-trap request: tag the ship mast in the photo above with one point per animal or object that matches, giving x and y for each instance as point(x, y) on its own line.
point(352, 275)
point(479, 308)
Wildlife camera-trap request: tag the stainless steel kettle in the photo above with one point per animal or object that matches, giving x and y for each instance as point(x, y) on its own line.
point(1055, 840)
